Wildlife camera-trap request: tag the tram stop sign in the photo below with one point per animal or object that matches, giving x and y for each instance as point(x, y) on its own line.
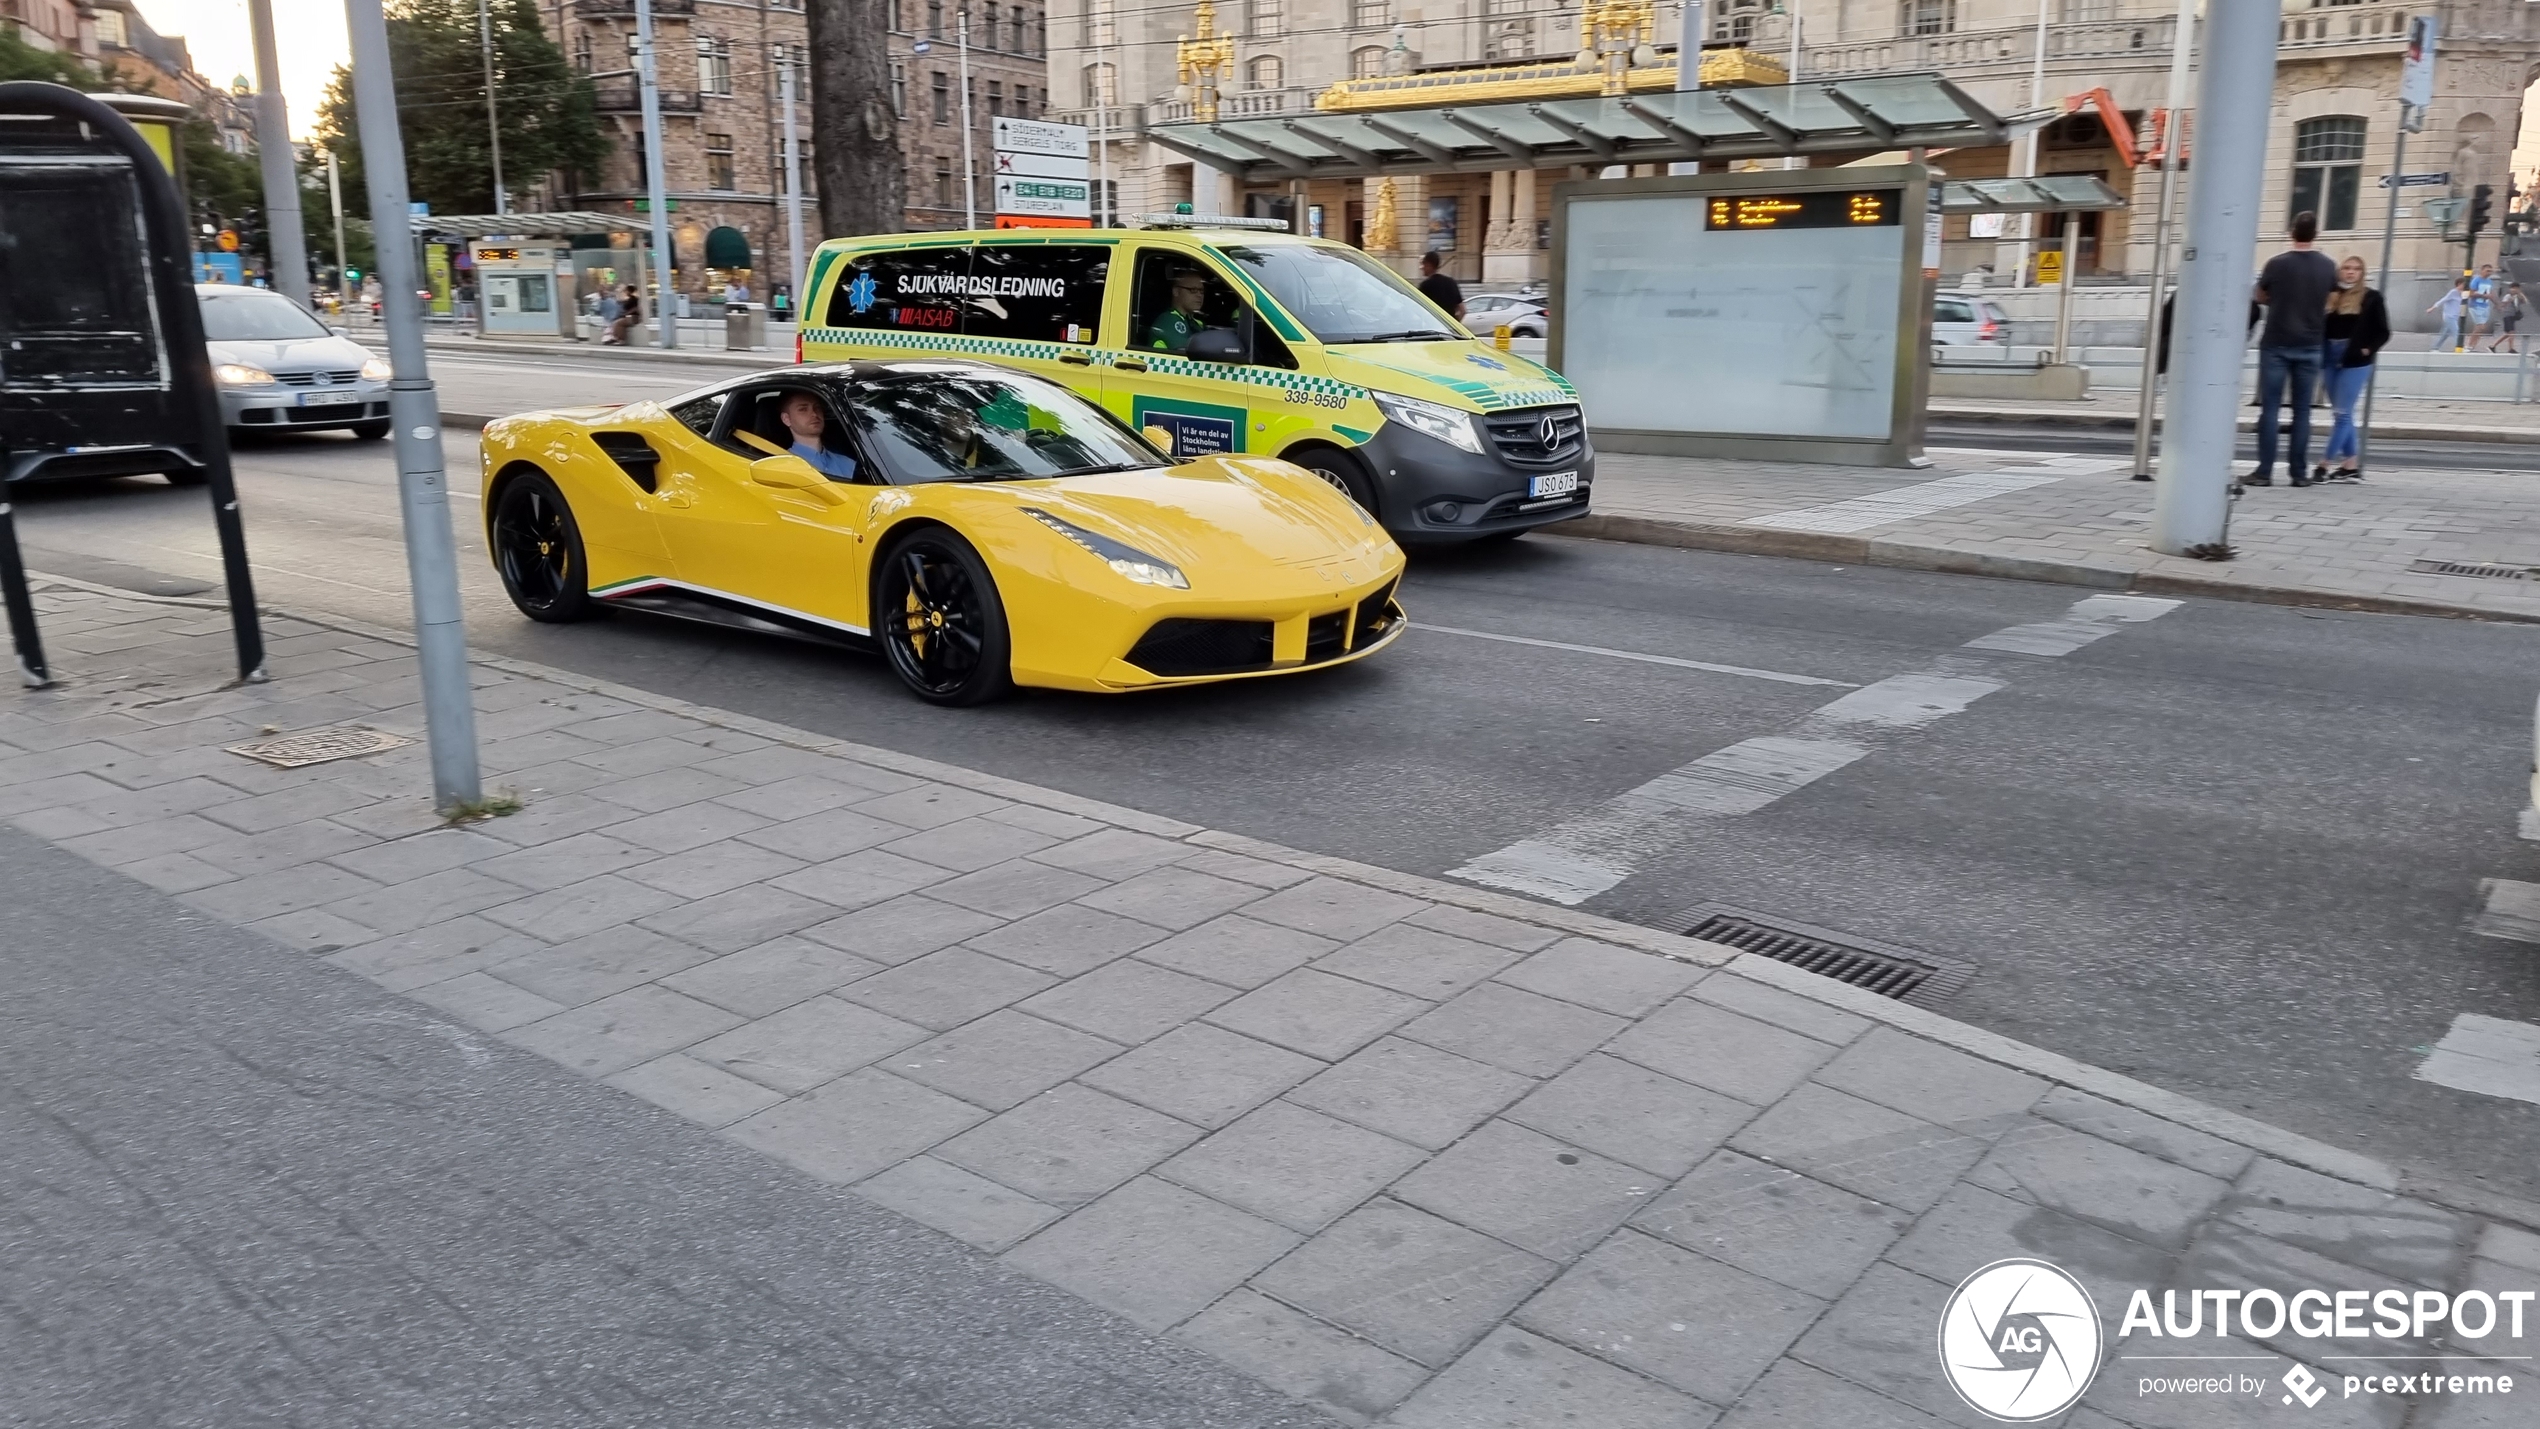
point(103, 371)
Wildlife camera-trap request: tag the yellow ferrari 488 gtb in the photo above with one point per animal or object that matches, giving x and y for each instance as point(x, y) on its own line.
point(983, 527)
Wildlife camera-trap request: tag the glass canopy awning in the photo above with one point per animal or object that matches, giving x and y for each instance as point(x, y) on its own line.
point(526, 225)
point(2046, 193)
point(1766, 122)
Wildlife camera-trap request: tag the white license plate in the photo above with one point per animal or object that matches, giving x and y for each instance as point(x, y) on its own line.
point(1559, 483)
point(329, 399)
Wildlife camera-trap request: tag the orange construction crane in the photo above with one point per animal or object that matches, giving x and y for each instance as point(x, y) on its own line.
point(2121, 135)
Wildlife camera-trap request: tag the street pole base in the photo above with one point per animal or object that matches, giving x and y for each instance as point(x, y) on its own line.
point(2211, 551)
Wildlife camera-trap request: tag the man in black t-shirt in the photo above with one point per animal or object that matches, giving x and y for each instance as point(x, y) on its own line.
point(2295, 286)
point(1439, 288)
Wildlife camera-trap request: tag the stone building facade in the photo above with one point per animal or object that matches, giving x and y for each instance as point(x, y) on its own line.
point(1113, 63)
point(717, 64)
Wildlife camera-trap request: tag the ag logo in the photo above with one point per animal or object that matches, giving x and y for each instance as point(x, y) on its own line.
point(2019, 1341)
point(860, 293)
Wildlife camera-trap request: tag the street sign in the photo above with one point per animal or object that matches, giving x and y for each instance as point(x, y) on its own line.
point(2050, 268)
point(1037, 136)
point(1043, 166)
point(2417, 181)
point(1025, 197)
point(2416, 72)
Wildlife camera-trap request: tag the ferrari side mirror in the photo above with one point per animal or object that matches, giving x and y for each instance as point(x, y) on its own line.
point(792, 473)
point(1158, 438)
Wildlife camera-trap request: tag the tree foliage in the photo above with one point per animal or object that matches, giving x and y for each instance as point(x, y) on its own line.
point(20, 60)
point(548, 113)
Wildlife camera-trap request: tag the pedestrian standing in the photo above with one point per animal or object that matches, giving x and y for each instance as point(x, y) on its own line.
point(2358, 327)
point(2482, 303)
point(2295, 286)
point(1440, 289)
point(2454, 305)
point(2510, 304)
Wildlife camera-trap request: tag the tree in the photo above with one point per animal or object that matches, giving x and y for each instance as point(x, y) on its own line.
point(549, 115)
point(20, 60)
point(855, 149)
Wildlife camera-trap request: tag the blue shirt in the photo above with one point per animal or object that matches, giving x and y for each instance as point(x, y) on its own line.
point(838, 466)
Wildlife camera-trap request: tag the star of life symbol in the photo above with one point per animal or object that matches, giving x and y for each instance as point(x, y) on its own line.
point(2020, 1341)
point(860, 293)
point(2305, 1386)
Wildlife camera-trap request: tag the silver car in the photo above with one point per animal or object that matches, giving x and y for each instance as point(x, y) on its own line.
point(1485, 312)
point(279, 367)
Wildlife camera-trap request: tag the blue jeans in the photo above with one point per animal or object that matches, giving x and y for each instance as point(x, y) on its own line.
point(2277, 366)
point(2345, 389)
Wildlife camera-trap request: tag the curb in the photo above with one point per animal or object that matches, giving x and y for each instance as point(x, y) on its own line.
point(2008, 417)
point(1905, 555)
point(2261, 1137)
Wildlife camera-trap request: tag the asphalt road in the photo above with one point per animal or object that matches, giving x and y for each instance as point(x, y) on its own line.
point(2232, 850)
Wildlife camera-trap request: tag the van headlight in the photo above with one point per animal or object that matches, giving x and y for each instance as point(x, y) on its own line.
point(1125, 560)
point(239, 374)
point(377, 371)
point(1429, 419)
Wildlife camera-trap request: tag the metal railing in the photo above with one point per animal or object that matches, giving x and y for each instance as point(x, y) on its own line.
point(626, 97)
point(1239, 104)
point(2375, 25)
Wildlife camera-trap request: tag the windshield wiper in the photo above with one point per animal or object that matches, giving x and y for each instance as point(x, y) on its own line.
point(1417, 334)
point(1115, 466)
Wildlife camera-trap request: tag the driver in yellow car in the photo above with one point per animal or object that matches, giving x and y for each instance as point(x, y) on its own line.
point(803, 417)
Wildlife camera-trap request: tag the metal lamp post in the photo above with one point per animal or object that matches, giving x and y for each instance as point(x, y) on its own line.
point(656, 190)
point(423, 488)
point(2173, 139)
point(1202, 66)
point(283, 232)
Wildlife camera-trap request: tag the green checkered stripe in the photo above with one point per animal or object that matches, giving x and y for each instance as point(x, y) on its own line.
point(1161, 364)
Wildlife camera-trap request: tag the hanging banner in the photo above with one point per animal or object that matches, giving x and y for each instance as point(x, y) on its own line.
point(2416, 72)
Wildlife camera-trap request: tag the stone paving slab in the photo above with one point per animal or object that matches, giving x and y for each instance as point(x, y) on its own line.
point(2086, 523)
point(1418, 1155)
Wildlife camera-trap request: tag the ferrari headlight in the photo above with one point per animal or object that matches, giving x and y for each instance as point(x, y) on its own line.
point(1125, 560)
point(377, 371)
point(239, 374)
point(1429, 419)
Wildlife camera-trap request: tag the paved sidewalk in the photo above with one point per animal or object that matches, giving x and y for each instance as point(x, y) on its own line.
point(2080, 520)
point(1414, 1154)
point(2393, 415)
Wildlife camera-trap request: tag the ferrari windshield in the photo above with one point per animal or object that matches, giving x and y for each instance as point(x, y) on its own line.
point(1342, 297)
point(929, 424)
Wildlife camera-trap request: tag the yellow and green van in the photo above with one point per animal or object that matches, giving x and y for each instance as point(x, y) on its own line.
point(1233, 340)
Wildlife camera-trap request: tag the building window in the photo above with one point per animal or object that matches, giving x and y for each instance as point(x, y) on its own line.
point(899, 88)
point(935, 19)
point(1267, 72)
point(714, 66)
point(988, 27)
point(943, 183)
point(1733, 21)
point(1041, 32)
point(1370, 14)
point(1102, 90)
point(1367, 63)
point(1021, 32)
point(110, 28)
point(719, 171)
point(996, 99)
point(943, 97)
point(2328, 167)
point(1265, 19)
point(1102, 22)
point(1926, 17)
point(582, 52)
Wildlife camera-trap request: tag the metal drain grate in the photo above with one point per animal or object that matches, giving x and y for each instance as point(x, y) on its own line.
point(2472, 568)
point(318, 746)
point(1870, 966)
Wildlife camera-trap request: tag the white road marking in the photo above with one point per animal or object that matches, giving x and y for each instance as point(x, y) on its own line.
point(1906, 502)
point(2091, 618)
point(1749, 672)
point(1591, 853)
point(2512, 911)
point(2486, 1055)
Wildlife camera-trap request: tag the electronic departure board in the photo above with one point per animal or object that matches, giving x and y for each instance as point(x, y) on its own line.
point(1821, 208)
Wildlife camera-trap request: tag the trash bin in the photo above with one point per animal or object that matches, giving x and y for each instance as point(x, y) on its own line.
point(744, 327)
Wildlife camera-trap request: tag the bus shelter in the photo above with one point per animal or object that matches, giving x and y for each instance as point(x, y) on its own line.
point(529, 274)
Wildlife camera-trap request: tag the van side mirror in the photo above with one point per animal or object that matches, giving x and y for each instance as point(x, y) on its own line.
point(1217, 344)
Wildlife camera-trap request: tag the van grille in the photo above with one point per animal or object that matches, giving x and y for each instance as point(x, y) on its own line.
point(1523, 437)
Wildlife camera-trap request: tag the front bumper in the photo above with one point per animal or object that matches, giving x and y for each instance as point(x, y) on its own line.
point(276, 407)
point(1432, 492)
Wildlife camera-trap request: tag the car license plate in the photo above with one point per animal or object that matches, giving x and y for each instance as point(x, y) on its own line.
point(328, 399)
point(1559, 483)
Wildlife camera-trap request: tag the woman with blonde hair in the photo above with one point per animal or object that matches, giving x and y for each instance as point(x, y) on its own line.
point(2358, 328)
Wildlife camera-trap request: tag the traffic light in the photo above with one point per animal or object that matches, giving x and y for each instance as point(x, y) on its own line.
point(2482, 205)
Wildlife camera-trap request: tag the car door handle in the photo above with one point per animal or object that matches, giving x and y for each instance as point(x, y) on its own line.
point(674, 498)
point(1076, 359)
point(1130, 364)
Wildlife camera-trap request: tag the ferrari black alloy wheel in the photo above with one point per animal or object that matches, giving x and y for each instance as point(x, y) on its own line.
point(538, 550)
point(937, 616)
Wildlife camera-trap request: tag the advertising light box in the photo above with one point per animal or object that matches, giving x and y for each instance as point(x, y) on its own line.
point(1746, 314)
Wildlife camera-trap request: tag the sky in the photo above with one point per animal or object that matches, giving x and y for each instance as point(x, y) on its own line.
point(308, 40)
